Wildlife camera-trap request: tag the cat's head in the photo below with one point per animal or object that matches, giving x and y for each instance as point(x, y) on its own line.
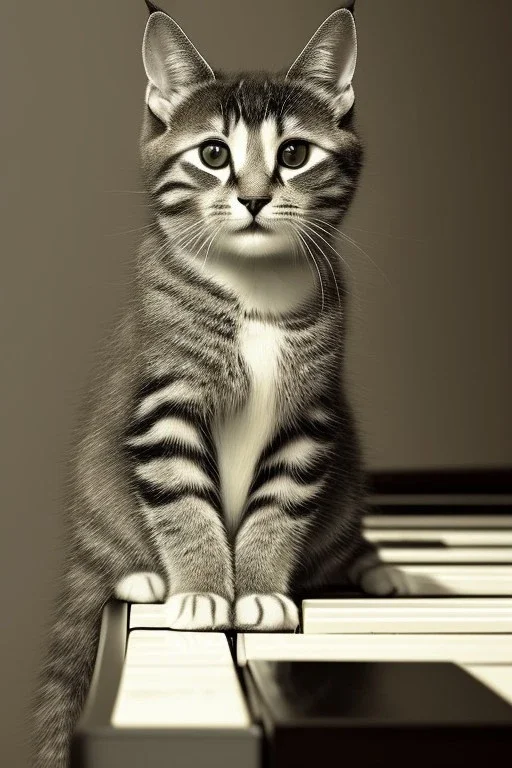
point(257, 164)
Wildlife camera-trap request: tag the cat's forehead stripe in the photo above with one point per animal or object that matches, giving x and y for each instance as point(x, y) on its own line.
point(269, 138)
point(238, 141)
point(249, 146)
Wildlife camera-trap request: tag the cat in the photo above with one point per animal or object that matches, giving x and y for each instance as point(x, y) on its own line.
point(219, 469)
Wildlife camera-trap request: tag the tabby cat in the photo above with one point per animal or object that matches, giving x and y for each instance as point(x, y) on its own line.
point(219, 470)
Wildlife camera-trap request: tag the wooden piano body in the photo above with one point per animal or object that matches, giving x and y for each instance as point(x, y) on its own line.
point(418, 681)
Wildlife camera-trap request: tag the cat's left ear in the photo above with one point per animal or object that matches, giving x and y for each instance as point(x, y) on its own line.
point(329, 59)
point(172, 63)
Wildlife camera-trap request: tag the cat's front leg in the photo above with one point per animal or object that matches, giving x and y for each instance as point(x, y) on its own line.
point(198, 586)
point(198, 561)
point(176, 481)
point(266, 551)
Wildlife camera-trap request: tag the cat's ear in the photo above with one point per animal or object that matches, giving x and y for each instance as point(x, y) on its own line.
point(329, 59)
point(172, 63)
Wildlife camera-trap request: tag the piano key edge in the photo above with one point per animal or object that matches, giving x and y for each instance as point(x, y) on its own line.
point(96, 743)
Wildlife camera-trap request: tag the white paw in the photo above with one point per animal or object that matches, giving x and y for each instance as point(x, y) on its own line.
point(386, 580)
point(266, 613)
point(198, 611)
point(141, 588)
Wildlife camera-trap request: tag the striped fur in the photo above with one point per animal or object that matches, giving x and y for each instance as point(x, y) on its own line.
point(219, 468)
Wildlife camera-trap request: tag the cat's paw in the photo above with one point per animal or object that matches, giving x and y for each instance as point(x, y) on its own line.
point(385, 581)
point(141, 588)
point(198, 611)
point(266, 613)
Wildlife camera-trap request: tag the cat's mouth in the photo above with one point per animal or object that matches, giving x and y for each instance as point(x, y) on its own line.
point(253, 227)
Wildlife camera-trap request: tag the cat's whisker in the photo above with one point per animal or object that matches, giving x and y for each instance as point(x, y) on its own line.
point(312, 220)
point(211, 243)
point(126, 192)
point(184, 242)
point(324, 222)
point(384, 234)
point(311, 228)
point(181, 228)
point(328, 263)
point(202, 244)
point(291, 240)
point(194, 238)
point(361, 250)
point(342, 234)
point(299, 249)
point(163, 249)
point(144, 228)
point(185, 231)
point(316, 265)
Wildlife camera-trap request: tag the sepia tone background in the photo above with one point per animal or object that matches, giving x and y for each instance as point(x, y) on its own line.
point(429, 358)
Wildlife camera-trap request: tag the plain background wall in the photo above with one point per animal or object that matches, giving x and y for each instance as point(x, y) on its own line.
point(429, 357)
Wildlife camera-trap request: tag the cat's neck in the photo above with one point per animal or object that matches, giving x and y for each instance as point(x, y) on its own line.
point(274, 284)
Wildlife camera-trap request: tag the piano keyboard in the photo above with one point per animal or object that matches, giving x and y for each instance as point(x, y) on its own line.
point(371, 680)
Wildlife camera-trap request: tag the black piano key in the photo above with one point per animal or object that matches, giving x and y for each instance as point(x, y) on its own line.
point(497, 481)
point(377, 714)
point(427, 510)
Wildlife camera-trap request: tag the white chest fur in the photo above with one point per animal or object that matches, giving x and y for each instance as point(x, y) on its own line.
point(241, 437)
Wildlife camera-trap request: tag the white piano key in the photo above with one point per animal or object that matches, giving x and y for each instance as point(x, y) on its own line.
point(454, 538)
point(437, 521)
point(386, 603)
point(411, 615)
point(164, 648)
point(446, 554)
point(148, 615)
point(498, 677)
point(459, 579)
point(205, 697)
point(469, 649)
point(178, 695)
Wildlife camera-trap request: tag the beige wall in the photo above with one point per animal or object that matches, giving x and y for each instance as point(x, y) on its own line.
point(429, 357)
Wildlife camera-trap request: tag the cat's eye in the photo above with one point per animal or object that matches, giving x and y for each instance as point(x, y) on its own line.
point(214, 154)
point(293, 154)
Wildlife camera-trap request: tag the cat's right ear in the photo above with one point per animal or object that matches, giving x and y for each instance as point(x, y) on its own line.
point(173, 65)
point(329, 59)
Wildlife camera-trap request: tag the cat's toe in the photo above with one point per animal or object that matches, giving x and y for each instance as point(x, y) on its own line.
point(198, 611)
point(385, 581)
point(143, 587)
point(266, 613)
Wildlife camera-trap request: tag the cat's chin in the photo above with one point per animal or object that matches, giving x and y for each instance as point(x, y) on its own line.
point(255, 244)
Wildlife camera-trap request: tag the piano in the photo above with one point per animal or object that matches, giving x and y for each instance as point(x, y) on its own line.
point(423, 680)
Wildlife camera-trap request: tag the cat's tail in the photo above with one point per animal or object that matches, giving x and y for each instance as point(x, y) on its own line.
point(66, 673)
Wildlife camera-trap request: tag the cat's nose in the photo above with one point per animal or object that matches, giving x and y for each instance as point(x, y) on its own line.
point(254, 204)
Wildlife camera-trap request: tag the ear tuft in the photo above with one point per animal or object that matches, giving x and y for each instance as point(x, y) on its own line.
point(329, 59)
point(173, 65)
point(152, 8)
